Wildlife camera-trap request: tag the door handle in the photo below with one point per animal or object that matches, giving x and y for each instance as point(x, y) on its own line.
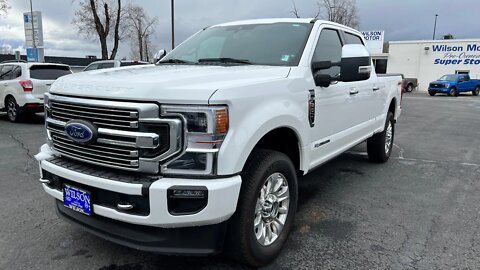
point(353, 92)
point(376, 88)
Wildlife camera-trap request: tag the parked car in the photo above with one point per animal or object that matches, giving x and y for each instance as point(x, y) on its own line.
point(410, 84)
point(453, 84)
point(201, 152)
point(23, 85)
point(113, 64)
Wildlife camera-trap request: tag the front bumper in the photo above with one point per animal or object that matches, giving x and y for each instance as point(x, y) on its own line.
point(222, 194)
point(438, 90)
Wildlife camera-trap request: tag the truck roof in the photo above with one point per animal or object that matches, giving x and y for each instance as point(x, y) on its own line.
point(283, 20)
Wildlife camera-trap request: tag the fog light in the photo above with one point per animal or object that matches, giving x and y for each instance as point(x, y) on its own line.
point(184, 200)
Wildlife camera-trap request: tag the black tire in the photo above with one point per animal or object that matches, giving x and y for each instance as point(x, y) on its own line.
point(476, 91)
point(241, 241)
point(453, 92)
point(377, 144)
point(431, 93)
point(13, 111)
point(409, 88)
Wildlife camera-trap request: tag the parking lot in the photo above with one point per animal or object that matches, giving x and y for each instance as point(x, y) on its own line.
point(421, 210)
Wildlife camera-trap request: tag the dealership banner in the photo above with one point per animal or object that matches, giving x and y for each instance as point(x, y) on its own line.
point(374, 41)
point(468, 54)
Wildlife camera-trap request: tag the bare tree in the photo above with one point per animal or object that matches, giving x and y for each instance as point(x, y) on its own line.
point(4, 7)
point(340, 11)
point(141, 27)
point(100, 19)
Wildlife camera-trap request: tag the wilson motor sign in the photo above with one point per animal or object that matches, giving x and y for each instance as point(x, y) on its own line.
point(468, 54)
point(374, 41)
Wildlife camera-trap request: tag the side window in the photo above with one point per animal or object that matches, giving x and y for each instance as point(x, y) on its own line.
point(107, 65)
point(467, 77)
point(6, 72)
point(92, 67)
point(17, 72)
point(329, 48)
point(353, 39)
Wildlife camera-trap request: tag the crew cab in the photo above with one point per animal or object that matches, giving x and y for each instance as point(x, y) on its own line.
point(22, 86)
point(453, 84)
point(202, 152)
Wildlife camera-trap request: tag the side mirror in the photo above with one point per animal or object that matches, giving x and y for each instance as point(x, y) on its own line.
point(323, 80)
point(159, 55)
point(356, 64)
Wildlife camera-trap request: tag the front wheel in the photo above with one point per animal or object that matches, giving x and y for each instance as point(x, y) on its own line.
point(265, 210)
point(431, 93)
point(379, 146)
point(453, 92)
point(476, 91)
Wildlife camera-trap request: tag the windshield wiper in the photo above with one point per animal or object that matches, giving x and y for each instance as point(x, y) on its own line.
point(174, 61)
point(225, 60)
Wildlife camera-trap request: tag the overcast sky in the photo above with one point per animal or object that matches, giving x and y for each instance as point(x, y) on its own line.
point(401, 20)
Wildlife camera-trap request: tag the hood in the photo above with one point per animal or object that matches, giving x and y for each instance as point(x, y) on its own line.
point(164, 83)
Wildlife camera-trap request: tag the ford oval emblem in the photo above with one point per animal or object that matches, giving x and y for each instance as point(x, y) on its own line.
point(81, 131)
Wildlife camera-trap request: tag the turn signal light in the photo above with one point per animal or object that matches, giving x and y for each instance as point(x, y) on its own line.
point(221, 119)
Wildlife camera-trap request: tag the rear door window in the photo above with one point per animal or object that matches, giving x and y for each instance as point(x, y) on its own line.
point(48, 72)
point(107, 65)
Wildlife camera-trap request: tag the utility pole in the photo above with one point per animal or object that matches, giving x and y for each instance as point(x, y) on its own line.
point(33, 33)
point(173, 22)
point(435, 26)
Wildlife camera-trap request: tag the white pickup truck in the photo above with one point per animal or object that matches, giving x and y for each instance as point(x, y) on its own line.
point(201, 152)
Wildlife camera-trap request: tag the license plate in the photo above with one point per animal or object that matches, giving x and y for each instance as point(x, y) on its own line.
point(77, 199)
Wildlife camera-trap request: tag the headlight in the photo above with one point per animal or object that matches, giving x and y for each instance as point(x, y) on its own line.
point(446, 85)
point(206, 127)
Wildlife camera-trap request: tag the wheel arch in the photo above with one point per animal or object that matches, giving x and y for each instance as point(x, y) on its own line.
point(284, 140)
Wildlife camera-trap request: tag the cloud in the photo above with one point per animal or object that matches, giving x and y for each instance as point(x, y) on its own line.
point(401, 20)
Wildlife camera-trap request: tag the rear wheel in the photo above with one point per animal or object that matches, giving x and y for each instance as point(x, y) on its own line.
point(476, 91)
point(410, 88)
point(379, 146)
point(266, 209)
point(13, 111)
point(453, 92)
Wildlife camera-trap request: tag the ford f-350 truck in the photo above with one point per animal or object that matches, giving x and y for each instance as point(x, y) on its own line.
point(202, 152)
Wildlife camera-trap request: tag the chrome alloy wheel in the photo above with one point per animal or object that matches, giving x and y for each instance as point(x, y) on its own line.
point(388, 137)
point(11, 110)
point(271, 210)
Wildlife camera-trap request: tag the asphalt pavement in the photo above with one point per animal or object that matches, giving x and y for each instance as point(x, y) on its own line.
point(418, 211)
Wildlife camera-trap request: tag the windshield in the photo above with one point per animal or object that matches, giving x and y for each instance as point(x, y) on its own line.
point(48, 72)
point(448, 78)
point(277, 44)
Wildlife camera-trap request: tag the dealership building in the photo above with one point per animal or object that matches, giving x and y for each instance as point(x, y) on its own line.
point(425, 60)
point(429, 60)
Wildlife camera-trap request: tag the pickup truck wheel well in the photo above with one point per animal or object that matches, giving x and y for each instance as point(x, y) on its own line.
point(283, 140)
point(393, 105)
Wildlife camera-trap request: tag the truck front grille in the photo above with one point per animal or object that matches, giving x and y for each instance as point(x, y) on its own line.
point(102, 117)
point(131, 136)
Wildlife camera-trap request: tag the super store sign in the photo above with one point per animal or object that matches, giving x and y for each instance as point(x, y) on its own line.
point(457, 55)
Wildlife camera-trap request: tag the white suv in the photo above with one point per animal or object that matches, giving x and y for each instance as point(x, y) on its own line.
point(22, 86)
